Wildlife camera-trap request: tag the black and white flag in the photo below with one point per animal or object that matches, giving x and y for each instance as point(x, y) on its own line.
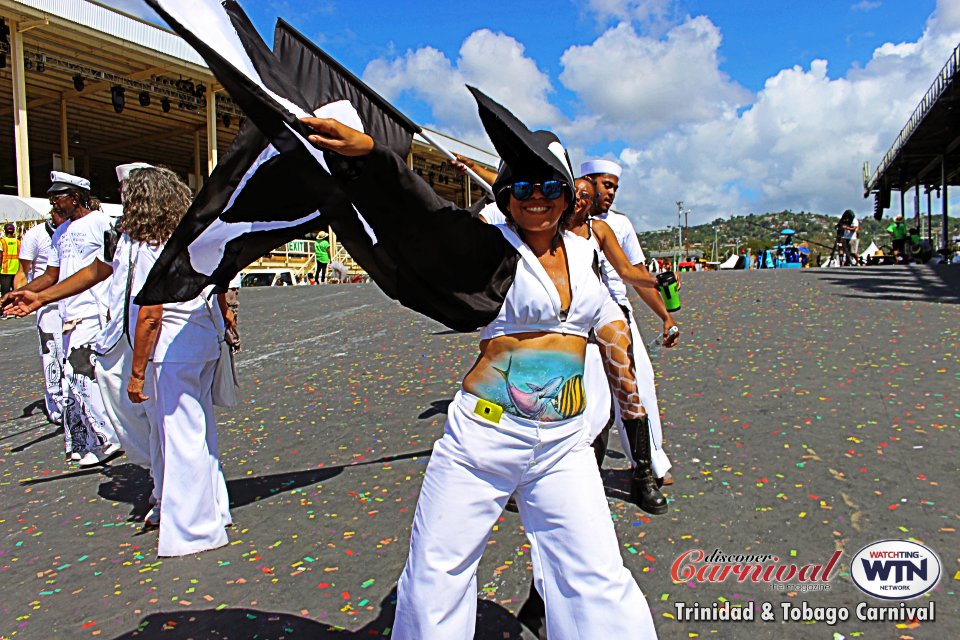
point(272, 185)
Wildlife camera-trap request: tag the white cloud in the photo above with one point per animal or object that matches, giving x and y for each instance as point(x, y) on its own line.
point(632, 85)
point(654, 16)
point(800, 145)
point(866, 5)
point(686, 131)
point(495, 63)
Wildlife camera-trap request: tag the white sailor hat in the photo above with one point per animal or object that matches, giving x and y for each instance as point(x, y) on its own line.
point(123, 170)
point(65, 182)
point(591, 167)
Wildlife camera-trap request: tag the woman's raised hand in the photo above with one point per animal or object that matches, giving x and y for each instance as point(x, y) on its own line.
point(338, 137)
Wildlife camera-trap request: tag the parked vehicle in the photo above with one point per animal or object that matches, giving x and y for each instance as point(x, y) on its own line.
point(267, 278)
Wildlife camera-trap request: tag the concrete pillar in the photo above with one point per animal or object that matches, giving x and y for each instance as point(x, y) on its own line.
point(20, 139)
point(944, 208)
point(64, 135)
point(197, 160)
point(916, 204)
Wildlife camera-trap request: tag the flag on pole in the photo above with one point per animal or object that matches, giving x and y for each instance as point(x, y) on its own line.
point(272, 185)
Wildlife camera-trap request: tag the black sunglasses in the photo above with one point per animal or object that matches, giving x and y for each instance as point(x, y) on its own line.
point(551, 189)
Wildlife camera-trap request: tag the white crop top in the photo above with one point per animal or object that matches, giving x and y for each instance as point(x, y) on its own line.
point(532, 303)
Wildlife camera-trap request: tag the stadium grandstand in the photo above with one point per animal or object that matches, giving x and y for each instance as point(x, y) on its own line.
point(925, 157)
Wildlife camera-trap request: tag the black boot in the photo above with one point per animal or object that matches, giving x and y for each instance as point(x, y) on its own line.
point(643, 485)
point(533, 614)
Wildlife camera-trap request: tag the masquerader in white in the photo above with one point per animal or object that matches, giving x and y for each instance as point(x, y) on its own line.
point(605, 175)
point(90, 437)
point(34, 255)
point(183, 341)
point(517, 425)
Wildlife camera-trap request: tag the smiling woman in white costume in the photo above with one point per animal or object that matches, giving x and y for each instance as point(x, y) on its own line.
point(516, 425)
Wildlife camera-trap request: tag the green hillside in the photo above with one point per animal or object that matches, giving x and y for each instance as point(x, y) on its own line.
point(761, 231)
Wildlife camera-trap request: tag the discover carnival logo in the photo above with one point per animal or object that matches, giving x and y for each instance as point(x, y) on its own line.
point(718, 566)
point(895, 569)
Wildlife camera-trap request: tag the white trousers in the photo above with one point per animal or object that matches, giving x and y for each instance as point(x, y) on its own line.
point(550, 466)
point(131, 421)
point(598, 395)
point(194, 506)
point(50, 330)
point(85, 421)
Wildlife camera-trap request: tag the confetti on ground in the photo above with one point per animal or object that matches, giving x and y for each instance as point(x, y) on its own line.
point(803, 412)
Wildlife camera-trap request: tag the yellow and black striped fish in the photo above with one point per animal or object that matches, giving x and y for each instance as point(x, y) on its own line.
point(572, 398)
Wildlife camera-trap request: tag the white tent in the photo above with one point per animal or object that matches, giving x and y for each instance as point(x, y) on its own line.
point(730, 263)
point(17, 209)
point(872, 249)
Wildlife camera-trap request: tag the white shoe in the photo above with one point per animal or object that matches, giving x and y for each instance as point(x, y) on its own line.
point(111, 449)
point(152, 518)
point(75, 456)
point(92, 458)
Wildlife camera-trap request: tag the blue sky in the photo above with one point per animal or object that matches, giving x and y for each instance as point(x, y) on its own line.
point(736, 105)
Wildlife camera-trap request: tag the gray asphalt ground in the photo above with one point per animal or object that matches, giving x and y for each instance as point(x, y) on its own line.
point(805, 412)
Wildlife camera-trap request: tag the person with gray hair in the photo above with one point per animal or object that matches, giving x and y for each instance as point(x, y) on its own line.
point(182, 341)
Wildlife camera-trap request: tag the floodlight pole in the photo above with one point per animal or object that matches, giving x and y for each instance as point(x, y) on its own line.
point(679, 232)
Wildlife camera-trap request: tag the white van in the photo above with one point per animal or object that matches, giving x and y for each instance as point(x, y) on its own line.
point(267, 278)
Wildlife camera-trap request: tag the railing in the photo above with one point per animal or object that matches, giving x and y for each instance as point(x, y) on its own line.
point(940, 84)
point(300, 257)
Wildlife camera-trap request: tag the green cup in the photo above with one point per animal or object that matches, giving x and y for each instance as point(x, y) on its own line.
point(668, 286)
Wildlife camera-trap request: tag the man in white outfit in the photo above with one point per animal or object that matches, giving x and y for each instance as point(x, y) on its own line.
point(605, 175)
point(89, 434)
point(34, 255)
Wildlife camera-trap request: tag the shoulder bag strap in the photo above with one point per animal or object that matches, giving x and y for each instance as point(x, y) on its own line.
point(131, 265)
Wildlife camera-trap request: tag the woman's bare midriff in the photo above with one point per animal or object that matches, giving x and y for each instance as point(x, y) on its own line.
point(532, 375)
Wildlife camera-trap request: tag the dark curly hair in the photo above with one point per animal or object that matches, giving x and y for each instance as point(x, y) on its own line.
point(154, 201)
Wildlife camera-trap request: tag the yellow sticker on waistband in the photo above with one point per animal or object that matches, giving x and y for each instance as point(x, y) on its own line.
point(488, 410)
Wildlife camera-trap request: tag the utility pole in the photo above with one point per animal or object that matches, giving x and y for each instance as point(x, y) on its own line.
point(686, 230)
point(679, 232)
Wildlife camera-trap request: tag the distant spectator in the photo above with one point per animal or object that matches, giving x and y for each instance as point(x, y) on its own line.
point(10, 266)
point(849, 228)
point(915, 246)
point(340, 270)
point(322, 250)
point(898, 231)
point(232, 298)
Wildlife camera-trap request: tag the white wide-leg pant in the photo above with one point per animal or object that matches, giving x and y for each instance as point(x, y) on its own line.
point(599, 399)
point(131, 421)
point(194, 506)
point(85, 421)
point(475, 467)
point(50, 330)
point(647, 390)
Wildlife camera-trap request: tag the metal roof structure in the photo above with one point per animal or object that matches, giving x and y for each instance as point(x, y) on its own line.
point(62, 64)
point(926, 153)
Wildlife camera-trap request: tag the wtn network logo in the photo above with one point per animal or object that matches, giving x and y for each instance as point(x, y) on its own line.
point(895, 569)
